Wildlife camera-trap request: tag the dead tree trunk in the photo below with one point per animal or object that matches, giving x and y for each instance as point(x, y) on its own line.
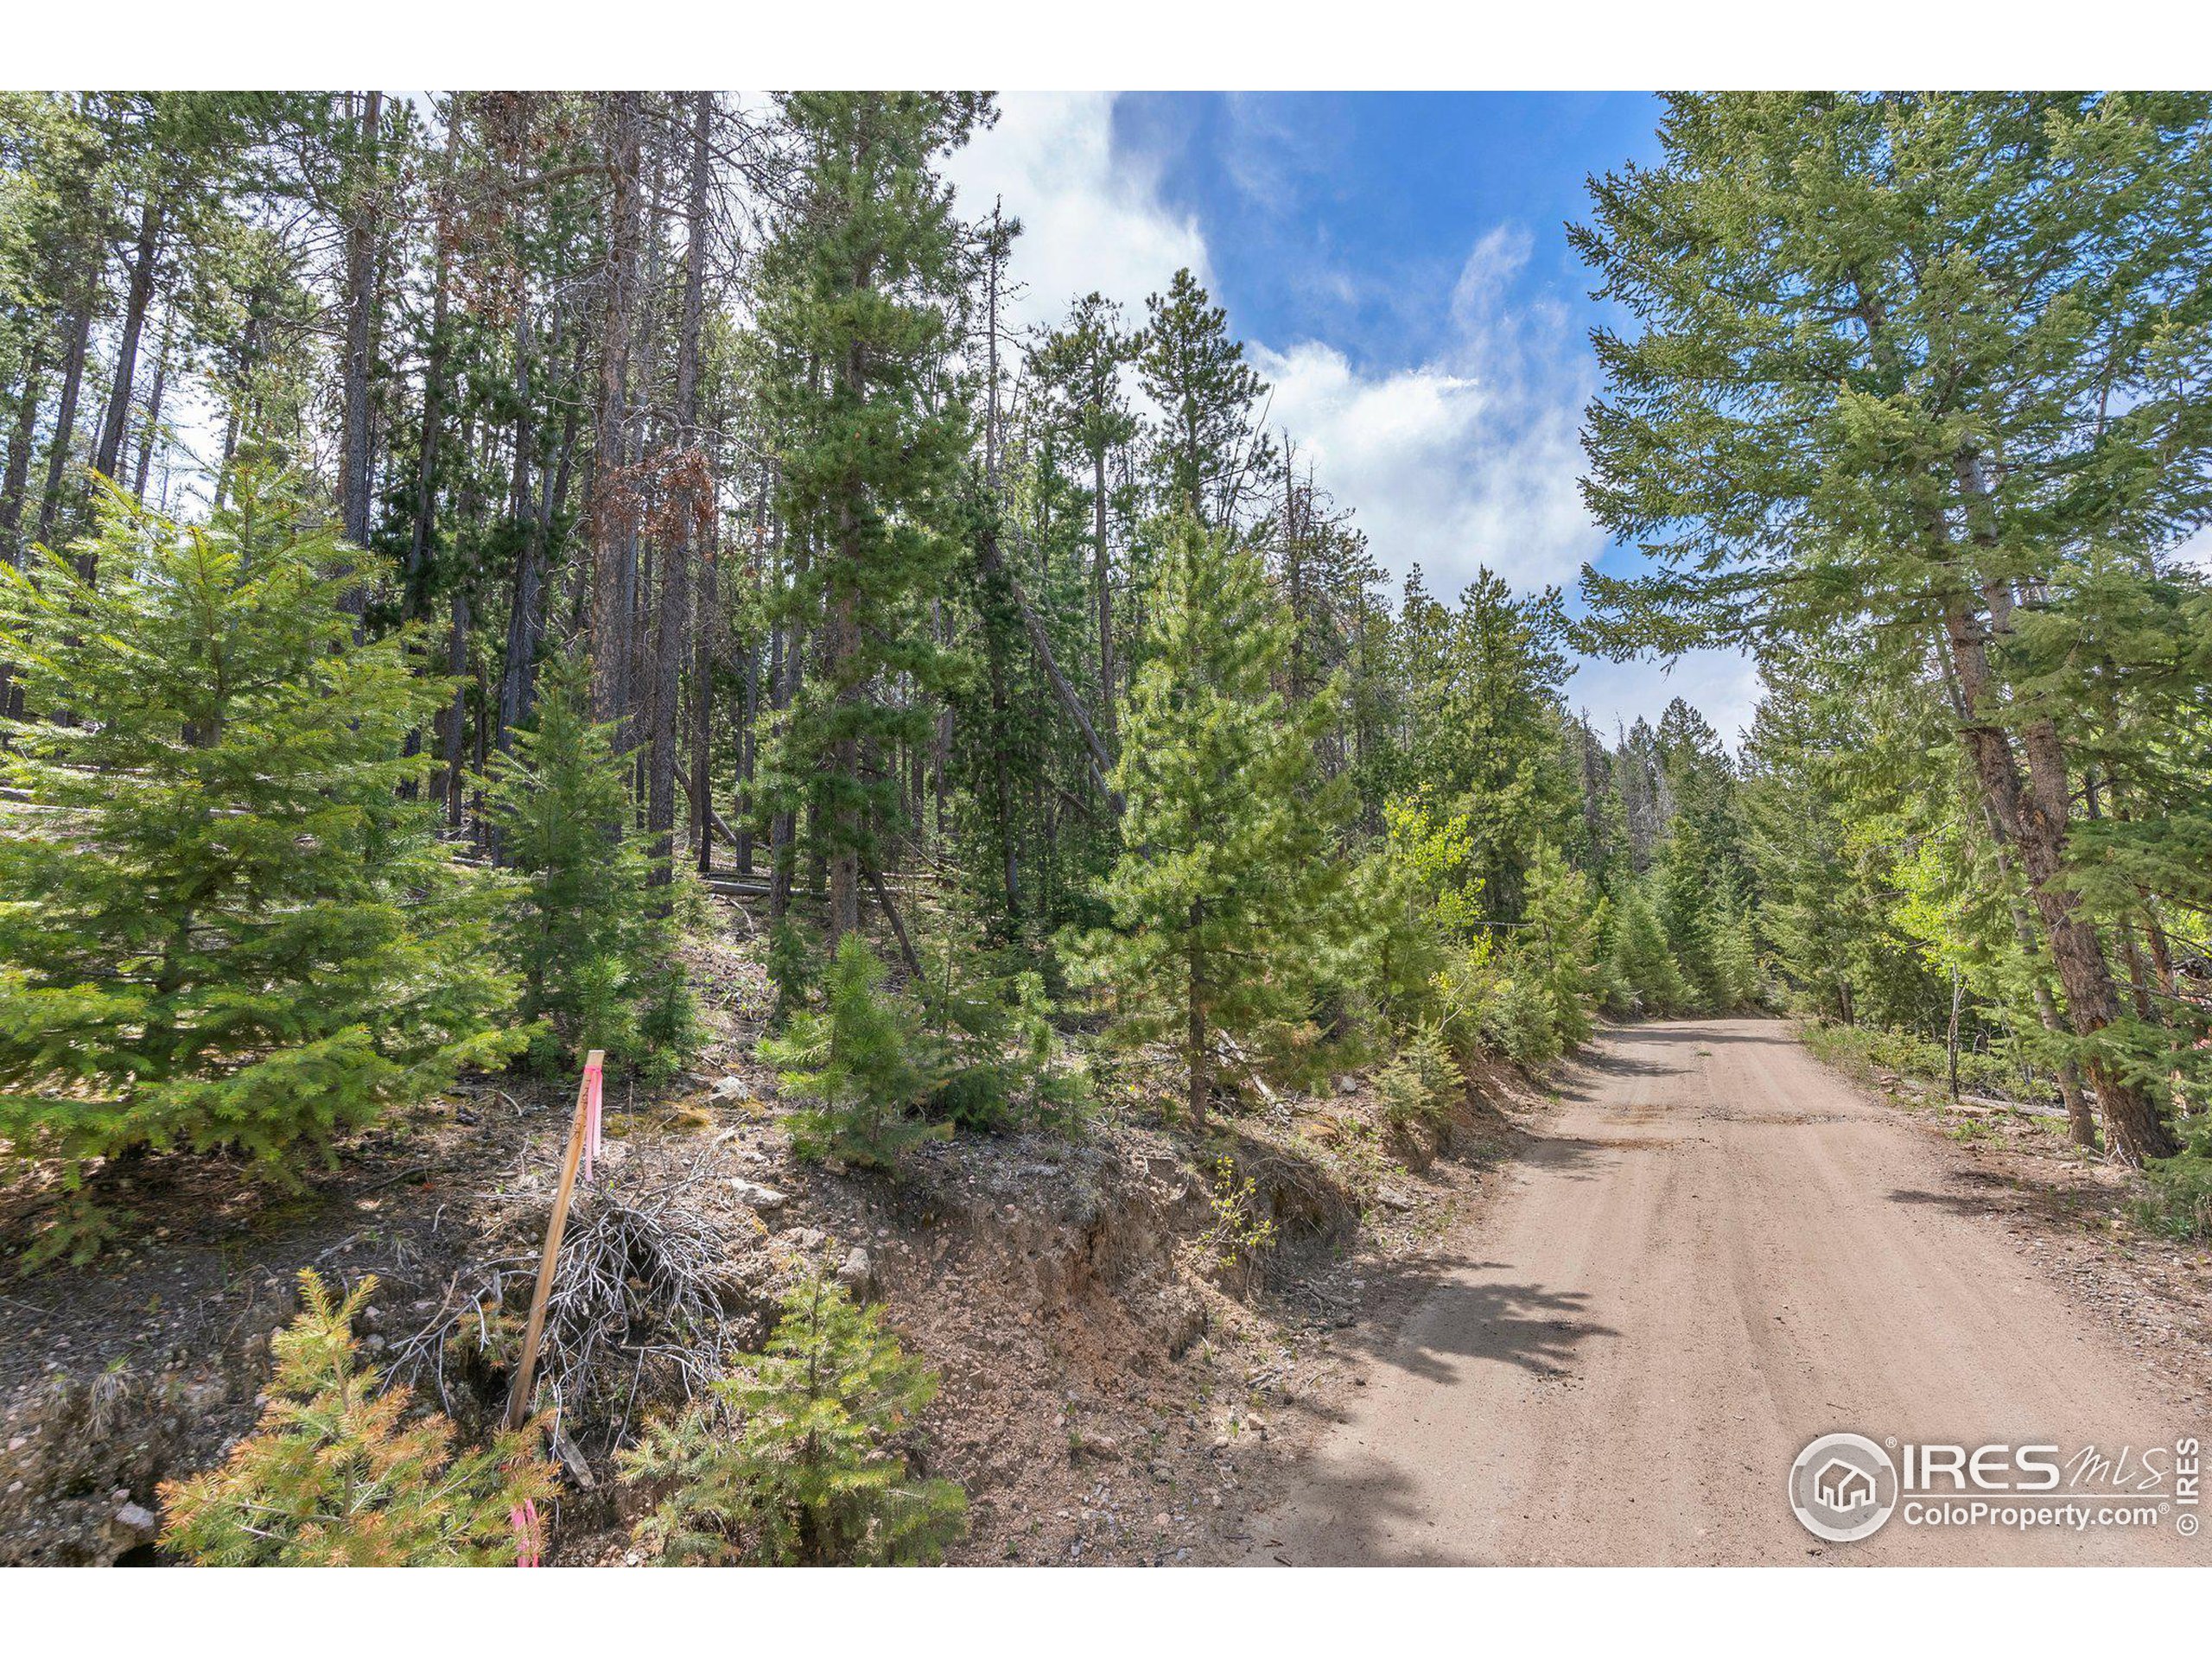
point(695, 500)
point(613, 494)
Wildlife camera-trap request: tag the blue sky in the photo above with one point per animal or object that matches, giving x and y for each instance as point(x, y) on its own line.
point(1397, 266)
point(1348, 216)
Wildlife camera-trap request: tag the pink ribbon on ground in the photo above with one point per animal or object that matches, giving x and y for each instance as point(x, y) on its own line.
point(527, 1542)
point(592, 1088)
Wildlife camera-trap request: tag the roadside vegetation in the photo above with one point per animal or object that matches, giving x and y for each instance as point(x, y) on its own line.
point(1064, 742)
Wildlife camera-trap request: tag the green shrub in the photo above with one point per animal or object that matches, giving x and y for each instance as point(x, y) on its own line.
point(335, 1476)
point(2180, 1204)
point(794, 1461)
point(1240, 1234)
point(1423, 1080)
point(1500, 1002)
point(1004, 1065)
point(864, 1062)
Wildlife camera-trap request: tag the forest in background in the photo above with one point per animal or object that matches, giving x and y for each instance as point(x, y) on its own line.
point(438, 529)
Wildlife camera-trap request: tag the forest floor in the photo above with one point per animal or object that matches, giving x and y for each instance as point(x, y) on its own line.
point(1111, 1392)
point(1716, 1249)
point(1703, 1244)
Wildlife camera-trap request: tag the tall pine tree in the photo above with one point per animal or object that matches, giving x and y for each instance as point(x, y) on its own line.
point(1224, 891)
point(855, 295)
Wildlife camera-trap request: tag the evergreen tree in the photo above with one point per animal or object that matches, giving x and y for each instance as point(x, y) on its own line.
point(222, 927)
point(854, 293)
point(1079, 366)
point(1208, 449)
point(1646, 976)
point(335, 1475)
point(1902, 358)
point(1225, 892)
point(865, 1061)
point(594, 952)
point(793, 1463)
point(1487, 730)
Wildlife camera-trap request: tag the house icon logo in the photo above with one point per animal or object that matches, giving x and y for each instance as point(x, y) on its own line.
point(1843, 1487)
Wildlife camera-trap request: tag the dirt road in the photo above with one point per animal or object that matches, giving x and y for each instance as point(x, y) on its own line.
point(1715, 1251)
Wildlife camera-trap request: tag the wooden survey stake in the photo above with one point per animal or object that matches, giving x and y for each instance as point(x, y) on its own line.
point(587, 1107)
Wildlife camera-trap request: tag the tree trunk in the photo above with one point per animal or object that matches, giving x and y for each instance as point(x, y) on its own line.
point(2033, 819)
point(456, 713)
point(1195, 1029)
point(783, 825)
point(11, 500)
point(843, 639)
point(2161, 955)
point(897, 927)
point(1102, 763)
point(65, 414)
point(704, 630)
point(151, 433)
point(843, 642)
point(1105, 585)
point(612, 510)
point(1951, 1037)
point(526, 611)
point(17, 484)
point(109, 453)
point(360, 307)
point(673, 616)
point(416, 579)
point(454, 719)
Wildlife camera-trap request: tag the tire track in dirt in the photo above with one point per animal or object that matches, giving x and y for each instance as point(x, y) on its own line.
point(1716, 1250)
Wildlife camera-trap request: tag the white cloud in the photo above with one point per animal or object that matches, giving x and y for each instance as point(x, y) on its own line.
point(1468, 459)
point(1722, 685)
point(1090, 219)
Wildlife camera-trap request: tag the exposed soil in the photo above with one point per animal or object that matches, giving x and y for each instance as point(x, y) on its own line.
point(1109, 1391)
point(1713, 1251)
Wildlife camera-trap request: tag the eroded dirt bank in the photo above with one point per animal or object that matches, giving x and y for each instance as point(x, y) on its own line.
point(1109, 1392)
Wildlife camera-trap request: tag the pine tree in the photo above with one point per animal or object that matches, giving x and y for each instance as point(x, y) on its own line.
point(865, 1061)
point(1208, 447)
point(1644, 969)
point(856, 292)
point(793, 1463)
point(1079, 366)
point(1901, 357)
point(1422, 1081)
point(1224, 893)
point(222, 925)
point(1556, 945)
point(595, 957)
point(1486, 728)
point(335, 1475)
